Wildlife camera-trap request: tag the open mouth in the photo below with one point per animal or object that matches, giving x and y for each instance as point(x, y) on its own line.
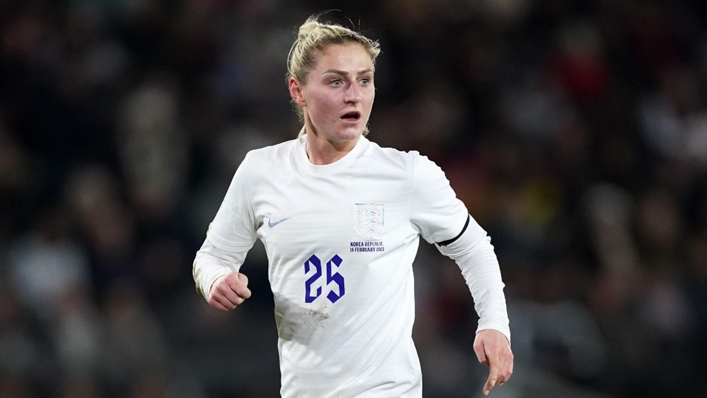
point(351, 116)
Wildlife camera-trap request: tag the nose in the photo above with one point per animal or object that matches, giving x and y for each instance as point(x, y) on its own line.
point(353, 94)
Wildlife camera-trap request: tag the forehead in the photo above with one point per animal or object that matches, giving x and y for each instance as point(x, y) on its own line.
point(349, 56)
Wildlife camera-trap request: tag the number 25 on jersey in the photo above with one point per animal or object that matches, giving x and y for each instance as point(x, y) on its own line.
point(332, 278)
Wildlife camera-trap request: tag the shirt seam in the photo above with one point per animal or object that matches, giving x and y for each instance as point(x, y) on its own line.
point(411, 189)
point(251, 213)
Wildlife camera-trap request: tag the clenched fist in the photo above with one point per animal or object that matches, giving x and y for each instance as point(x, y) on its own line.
point(229, 291)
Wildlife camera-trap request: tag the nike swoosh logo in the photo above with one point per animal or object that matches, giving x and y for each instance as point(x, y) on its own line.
point(272, 223)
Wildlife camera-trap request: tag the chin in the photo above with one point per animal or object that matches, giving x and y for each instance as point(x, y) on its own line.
point(349, 135)
point(352, 136)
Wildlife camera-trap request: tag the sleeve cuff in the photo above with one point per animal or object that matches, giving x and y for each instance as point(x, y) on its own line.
point(503, 329)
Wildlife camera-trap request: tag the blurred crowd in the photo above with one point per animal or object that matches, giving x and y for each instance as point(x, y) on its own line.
point(574, 130)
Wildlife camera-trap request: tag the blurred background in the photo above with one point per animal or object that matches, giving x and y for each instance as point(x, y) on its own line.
point(574, 130)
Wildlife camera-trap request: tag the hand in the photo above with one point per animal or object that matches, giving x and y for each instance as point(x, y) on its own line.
point(494, 350)
point(229, 291)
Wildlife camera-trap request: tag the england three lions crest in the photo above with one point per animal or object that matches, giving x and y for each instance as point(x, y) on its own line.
point(369, 219)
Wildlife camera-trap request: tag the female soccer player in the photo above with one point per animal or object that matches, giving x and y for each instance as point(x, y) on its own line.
point(340, 218)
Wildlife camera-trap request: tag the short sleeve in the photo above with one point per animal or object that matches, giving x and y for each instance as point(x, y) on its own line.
point(435, 211)
point(233, 228)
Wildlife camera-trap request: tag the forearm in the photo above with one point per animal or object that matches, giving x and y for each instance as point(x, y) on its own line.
point(211, 263)
point(475, 256)
point(483, 276)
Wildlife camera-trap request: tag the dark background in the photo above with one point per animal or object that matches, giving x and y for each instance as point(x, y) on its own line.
point(574, 131)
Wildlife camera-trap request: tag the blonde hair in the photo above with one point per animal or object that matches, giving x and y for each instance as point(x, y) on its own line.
point(312, 37)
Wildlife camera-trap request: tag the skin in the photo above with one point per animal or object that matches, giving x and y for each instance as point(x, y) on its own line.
point(229, 291)
point(340, 82)
point(493, 349)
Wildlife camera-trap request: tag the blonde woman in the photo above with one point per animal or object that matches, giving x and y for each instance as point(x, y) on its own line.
point(340, 218)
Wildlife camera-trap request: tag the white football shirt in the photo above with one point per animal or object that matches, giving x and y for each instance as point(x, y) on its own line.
point(341, 239)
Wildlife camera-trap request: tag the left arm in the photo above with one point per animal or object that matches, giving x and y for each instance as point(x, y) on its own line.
point(474, 254)
point(441, 218)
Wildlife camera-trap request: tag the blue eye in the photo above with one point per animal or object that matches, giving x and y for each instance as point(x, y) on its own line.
point(336, 83)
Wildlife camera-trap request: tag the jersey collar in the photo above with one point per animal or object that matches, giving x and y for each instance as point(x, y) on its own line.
point(306, 166)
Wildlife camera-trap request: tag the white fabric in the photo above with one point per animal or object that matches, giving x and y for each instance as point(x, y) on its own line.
point(213, 264)
point(359, 220)
point(473, 253)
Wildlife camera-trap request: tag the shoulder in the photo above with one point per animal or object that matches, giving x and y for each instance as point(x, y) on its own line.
point(392, 158)
point(410, 164)
point(420, 166)
point(265, 158)
point(268, 153)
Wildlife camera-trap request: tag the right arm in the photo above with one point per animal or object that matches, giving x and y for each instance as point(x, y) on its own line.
point(230, 236)
point(217, 277)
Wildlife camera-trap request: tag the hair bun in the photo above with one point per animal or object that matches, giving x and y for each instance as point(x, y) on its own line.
point(307, 28)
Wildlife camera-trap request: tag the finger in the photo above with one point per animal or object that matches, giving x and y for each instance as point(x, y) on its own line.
point(213, 302)
point(480, 351)
point(233, 297)
point(492, 380)
point(240, 289)
point(490, 384)
point(508, 368)
point(244, 292)
point(240, 286)
point(216, 304)
point(225, 301)
point(226, 296)
point(217, 282)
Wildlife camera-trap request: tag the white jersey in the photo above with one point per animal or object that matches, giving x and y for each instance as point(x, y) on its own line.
point(341, 239)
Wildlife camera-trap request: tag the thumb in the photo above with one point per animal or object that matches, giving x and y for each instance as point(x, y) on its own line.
point(243, 290)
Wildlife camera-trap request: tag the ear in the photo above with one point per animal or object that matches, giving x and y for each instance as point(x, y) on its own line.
point(296, 92)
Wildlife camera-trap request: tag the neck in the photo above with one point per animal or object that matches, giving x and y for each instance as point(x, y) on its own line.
point(321, 151)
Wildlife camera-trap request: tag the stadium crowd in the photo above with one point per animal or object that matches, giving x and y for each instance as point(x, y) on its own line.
point(575, 132)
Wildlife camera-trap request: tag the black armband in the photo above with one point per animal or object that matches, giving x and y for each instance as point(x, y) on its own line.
point(450, 241)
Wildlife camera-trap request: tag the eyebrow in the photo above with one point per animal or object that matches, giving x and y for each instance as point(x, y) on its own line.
point(343, 73)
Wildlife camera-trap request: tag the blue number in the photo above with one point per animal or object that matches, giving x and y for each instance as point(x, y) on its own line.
point(334, 277)
point(314, 260)
point(331, 276)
